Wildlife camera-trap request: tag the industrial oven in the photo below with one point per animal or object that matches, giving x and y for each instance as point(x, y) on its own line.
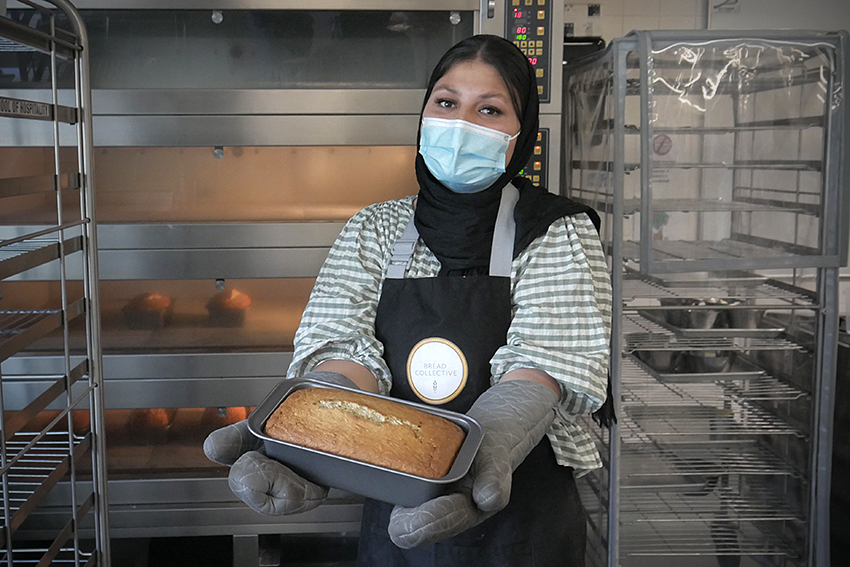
point(231, 142)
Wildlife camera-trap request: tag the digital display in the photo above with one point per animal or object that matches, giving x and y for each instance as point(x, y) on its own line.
point(529, 27)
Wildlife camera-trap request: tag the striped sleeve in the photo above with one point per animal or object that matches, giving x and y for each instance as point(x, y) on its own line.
point(562, 325)
point(339, 320)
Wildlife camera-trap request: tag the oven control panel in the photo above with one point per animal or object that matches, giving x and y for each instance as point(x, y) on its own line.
point(536, 168)
point(529, 26)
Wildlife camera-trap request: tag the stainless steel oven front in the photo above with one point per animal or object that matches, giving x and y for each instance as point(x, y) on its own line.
point(232, 139)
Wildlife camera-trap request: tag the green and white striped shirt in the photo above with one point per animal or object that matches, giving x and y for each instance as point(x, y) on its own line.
point(561, 313)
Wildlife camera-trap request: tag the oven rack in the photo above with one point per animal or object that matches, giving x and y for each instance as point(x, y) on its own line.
point(641, 333)
point(35, 463)
point(19, 328)
point(728, 250)
point(709, 538)
point(770, 294)
point(647, 460)
point(35, 556)
point(641, 388)
point(709, 423)
point(19, 257)
point(680, 503)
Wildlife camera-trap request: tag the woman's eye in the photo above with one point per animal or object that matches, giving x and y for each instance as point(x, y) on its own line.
point(490, 111)
point(445, 103)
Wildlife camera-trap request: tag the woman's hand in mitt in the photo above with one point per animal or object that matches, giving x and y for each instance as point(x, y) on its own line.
point(514, 415)
point(262, 483)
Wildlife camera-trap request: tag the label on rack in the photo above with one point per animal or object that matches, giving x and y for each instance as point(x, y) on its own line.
point(24, 108)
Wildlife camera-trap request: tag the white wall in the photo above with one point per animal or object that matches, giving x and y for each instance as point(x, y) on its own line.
point(618, 17)
point(827, 15)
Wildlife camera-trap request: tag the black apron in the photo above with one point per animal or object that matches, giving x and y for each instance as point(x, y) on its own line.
point(439, 335)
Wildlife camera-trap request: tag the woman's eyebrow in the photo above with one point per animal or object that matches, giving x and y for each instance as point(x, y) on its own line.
point(445, 88)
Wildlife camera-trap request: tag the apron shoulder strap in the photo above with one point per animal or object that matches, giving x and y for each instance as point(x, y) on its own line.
point(504, 233)
point(402, 251)
point(501, 250)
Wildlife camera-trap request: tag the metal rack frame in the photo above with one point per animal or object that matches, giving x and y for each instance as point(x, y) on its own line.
point(695, 455)
point(42, 453)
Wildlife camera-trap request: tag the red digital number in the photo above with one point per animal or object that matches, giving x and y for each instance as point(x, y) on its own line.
point(533, 60)
point(517, 14)
point(521, 29)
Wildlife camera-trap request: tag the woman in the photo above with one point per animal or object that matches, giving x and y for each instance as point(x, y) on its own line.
point(492, 276)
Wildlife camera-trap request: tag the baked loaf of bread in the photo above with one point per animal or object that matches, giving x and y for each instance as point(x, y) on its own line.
point(227, 309)
point(150, 302)
point(369, 429)
point(148, 311)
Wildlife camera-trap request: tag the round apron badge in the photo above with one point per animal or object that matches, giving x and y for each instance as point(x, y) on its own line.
point(436, 370)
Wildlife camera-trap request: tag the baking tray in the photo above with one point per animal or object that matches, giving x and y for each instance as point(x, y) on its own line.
point(659, 317)
point(366, 479)
point(679, 370)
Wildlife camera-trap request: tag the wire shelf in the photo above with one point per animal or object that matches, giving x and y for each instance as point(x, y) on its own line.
point(769, 294)
point(639, 388)
point(680, 503)
point(9, 46)
point(15, 322)
point(33, 468)
point(684, 250)
point(645, 423)
point(709, 538)
point(35, 556)
point(702, 459)
point(710, 343)
point(19, 257)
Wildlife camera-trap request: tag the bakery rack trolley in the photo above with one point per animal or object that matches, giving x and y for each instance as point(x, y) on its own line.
point(717, 161)
point(51, 442)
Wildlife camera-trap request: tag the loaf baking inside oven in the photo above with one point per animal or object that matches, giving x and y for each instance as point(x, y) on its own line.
point(148, 311)
point(227, 309)
point(365, 428)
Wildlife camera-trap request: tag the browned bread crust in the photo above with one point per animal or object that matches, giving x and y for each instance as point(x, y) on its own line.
point(374, 430)
point(230, 299)
point(150, 302)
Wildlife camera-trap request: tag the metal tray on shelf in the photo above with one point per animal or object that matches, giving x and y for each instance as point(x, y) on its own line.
point(697, 366)
point(703, 279)
point(741, 322)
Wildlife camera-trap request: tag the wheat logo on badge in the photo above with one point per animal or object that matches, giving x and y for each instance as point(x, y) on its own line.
point(437, 370)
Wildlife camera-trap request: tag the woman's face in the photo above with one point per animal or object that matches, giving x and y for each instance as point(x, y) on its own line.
point(474, 91)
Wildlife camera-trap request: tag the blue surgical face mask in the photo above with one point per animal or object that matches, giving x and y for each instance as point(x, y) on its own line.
point(463, 156)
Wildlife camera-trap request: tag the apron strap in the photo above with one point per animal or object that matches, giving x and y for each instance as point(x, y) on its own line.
point(403, 251)
point(501, 250)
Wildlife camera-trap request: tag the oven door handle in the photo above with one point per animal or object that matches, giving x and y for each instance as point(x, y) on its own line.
point(491, 9)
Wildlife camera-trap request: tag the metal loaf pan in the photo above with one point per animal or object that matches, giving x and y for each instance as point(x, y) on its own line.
point(366, 479)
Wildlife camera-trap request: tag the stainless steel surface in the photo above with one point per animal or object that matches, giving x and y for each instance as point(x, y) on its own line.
point(264, 102)
point(253, 130)
point(196, 251)
point(366, 479)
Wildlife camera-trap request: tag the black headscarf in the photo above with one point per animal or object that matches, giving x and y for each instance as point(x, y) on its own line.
point(458, 228)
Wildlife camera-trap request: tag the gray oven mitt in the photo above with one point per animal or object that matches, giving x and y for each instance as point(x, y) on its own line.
point(262, 483)
point(514, 416)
